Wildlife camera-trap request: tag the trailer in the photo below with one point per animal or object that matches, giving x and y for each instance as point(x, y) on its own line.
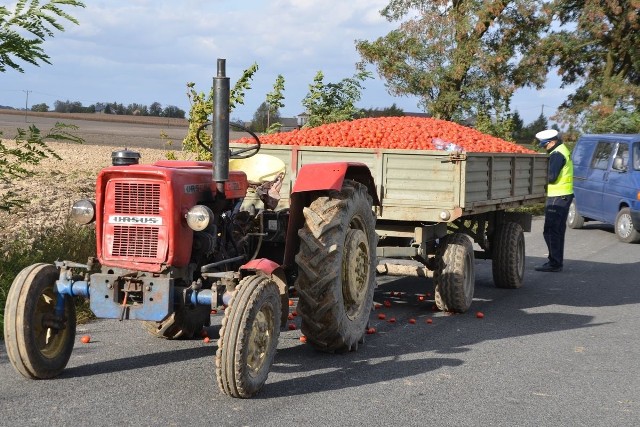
point(443, 209)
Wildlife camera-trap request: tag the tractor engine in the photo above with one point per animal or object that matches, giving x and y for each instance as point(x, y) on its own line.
point(160, 226)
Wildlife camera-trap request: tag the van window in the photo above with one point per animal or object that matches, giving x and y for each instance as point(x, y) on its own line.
point(636, 156)
point(602, 155)
point(621, 153)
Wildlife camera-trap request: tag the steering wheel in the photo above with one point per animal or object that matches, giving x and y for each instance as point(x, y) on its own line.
point(237, 154)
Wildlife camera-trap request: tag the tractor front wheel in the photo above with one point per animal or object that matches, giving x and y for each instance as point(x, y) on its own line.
point(38, 343)
point(248, 337)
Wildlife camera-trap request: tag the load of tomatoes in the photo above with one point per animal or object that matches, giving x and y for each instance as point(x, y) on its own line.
point(404, 132)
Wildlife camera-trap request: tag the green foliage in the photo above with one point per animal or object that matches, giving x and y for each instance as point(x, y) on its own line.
point(501, 126)
point(202, 109)
point(461, 58)
point(334, 102)
point(620, 121)
point(40, 108)
point(393, 111)
point(262, 116)
point(274, 103)
point(67, 241)
point(23, 31)
point(595, 49)
point(29, 149)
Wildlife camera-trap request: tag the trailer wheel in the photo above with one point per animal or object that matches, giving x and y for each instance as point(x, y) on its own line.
point(574, 219)
point(508, 253)
point(248, 337)
point(38, 344)
point(454, 276)
point(184, 323)
point(336, 268)
point(625, 230)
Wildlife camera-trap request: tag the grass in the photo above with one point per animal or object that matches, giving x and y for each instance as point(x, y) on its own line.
point(67, 241)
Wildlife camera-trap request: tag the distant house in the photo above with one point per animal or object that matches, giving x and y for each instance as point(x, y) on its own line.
point(288, 123)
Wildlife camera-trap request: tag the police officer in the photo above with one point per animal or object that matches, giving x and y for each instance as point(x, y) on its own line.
point(559, 197)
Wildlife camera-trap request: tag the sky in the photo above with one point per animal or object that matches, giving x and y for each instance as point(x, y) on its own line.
point(145, 51)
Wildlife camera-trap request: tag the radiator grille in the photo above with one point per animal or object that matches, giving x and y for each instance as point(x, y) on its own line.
point(135, 241)
point(137, 199)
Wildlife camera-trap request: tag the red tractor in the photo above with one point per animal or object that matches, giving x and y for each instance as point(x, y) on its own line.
point(179, 239)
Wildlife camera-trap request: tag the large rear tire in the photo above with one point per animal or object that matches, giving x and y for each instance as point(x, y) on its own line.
point(248, 337)
point(184, 323)
point(336, 268)
point(454, 276)
point(38, 345)
point(508, 253)
point(625, 230)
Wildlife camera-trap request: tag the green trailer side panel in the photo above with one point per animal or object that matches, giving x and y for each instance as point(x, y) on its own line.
point(417, 185)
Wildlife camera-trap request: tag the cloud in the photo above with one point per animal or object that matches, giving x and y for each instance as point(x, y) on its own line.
point(148, 50)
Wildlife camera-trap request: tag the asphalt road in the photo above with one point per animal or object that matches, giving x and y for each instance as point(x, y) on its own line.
point(560, 351)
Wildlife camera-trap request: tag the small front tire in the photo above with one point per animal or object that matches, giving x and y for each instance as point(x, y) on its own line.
point(248, 337)
point(39, 345)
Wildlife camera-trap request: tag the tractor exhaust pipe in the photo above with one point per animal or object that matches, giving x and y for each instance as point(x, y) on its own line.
point(220, 136)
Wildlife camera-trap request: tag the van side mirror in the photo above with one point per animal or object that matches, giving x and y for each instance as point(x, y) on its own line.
point(619, 165)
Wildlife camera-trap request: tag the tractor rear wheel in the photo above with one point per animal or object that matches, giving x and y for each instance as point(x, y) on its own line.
point(454, 276)
point(248, 337)
point(184, 323)
point(38, 344)
point(336, 268)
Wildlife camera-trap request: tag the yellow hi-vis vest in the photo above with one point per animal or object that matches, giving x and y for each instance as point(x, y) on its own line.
point(564, 184)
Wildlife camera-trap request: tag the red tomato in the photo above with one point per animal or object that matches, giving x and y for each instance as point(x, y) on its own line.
point(382, 316)
point(86, 339)
point(480, 315)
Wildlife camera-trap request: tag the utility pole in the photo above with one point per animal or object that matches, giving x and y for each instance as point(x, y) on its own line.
point(26, 105)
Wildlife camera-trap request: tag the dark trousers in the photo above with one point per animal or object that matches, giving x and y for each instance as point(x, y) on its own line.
point(556, 211)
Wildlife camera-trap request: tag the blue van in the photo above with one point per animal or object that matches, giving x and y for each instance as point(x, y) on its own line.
point(606, 183)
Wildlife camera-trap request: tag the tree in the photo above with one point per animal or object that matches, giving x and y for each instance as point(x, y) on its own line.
point(155, 109)
point(595, 48)
point(459, 57)
point(260, 120)
point(392, 111)
point(333, 102)
point(619, 121)
point(173, 111)
point(29, 146)
point(202, 109)
point(528, 133)
point(274, 103)
point(23, 31)
point(40, 108)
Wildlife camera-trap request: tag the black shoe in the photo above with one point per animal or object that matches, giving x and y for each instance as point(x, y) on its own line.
point(548, 268)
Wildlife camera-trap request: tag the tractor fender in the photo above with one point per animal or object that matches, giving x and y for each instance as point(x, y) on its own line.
point(330, 176)
point(277, 274)
point(320, 177)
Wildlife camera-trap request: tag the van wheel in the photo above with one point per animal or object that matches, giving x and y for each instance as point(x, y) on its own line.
point(574, 219)
point(624, 227)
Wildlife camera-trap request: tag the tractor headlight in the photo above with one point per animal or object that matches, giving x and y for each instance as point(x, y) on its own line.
point(199, 217)
point(83, 211)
